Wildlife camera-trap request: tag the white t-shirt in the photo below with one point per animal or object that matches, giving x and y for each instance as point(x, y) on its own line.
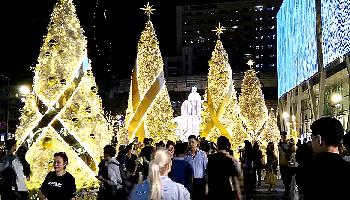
point(20, 179)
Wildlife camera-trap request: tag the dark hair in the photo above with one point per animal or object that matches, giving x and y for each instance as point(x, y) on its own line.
point(146, 141)
point(192, 137)
point(121, 147)
point(223, 143)
point(330, 129)
point(109, 150)
point(346, 141)
point(283, 133)
point(10, 143)
point(63, 155)
point(180, 148)
point(169, 143)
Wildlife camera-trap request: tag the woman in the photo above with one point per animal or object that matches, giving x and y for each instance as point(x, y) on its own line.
point(271, 167)
point(159, 186)
point(248, 170)
point(58, 184)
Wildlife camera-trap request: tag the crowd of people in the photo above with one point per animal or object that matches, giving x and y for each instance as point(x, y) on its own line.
point(198, 169)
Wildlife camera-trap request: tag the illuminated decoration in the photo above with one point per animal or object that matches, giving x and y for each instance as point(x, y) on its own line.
point(191, 110)
point(149, 112)
point(63, 113)
point(270, 132)
point(296, 43)
point(335, 29)
point(221, 113)
point(253, 111)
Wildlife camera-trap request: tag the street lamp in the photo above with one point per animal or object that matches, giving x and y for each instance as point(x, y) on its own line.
point(335, 100)
point(24, 90)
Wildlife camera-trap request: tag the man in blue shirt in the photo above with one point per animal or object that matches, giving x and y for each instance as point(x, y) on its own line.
point(198, 160)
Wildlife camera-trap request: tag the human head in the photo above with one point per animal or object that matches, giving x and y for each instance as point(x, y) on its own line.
point(223, 143)
point(192, 142)
point(256, 145)
point(60, 161)
point(159, 166)
point(270, 147)
point(284, 136)
point(180, 149)
point(170, 147)
point(326, 132)
point(109, 152)
point(146, 141)
point(21, 151)
point(11, 145)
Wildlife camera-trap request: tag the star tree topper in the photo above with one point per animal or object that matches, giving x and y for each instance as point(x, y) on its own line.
point(250, 63)
point(219, 30)
point(148, 10)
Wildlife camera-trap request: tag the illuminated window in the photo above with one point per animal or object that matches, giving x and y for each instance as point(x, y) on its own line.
point(256, 47)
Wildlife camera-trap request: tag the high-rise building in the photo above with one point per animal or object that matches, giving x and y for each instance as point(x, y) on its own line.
point(250, 32)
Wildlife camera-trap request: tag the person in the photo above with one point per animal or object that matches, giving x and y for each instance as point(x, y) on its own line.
point(21, 154)
point(271, 167)
point(110, 176)
point(170, 146)
point(346, 143)
point(285, 155)
point(181, 170)
point(13, 171)
point(248, 170)
point(257, 161)
point(222, 174)
point(198, 160)
point(131, 166)
point(328, 173)
point(58, 184)
point(158, 186)
point(146, 155)
point(304, 156)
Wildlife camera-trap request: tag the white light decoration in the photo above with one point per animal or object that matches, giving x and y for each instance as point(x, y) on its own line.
point(190, 119)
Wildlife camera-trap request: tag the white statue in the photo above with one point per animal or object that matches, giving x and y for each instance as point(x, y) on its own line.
point(191, 110)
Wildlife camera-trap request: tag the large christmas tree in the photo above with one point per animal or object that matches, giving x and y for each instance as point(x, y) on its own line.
point(221, 113)
point(254, 112)
point(64, 112)
point(149, 112)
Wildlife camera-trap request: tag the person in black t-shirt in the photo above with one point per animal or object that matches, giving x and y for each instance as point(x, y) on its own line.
point(328, 174)
point(146, 155)
point(222, 173)
point(58, 184)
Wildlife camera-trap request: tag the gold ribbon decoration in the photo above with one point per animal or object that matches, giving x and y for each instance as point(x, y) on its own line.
point(140, 106)
point(215, 122)
point(50, 118)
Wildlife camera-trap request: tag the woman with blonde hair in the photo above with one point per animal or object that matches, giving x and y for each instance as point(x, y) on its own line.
point(159, 186)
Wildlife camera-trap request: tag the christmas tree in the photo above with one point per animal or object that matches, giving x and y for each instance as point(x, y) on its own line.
point(149, 112)
point(270, 132)
point(220, 114)
point(64, 112)
point(254, 112)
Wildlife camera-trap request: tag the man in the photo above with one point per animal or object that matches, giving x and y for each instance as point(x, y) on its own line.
point(146, 155)
point(12, 171)
point(181, 170)
point(198, 160)
point(286, 150)
point(110, 177)
point(328, 174)
point(223, 182)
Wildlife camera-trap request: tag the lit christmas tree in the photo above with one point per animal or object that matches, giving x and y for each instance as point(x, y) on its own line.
point(149, 112)
point(220, 114)
point(254, 112)
point(270, 132)
point(64, 112)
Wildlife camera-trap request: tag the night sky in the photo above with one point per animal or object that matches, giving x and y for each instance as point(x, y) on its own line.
point(112, 30)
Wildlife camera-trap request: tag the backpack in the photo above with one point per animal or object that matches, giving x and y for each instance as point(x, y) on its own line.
point(8, 177)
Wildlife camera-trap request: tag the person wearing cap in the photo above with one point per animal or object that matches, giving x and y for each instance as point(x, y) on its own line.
point(328, 173)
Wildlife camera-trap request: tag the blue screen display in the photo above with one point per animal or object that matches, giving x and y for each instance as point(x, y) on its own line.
point(335, 29)
point(296, 43)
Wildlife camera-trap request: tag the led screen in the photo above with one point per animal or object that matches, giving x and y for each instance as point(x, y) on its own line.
point(335, 29)
point(296, 43)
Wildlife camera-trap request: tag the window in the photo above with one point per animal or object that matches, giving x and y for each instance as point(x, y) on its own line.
point(256, 47)
point(257, 56)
